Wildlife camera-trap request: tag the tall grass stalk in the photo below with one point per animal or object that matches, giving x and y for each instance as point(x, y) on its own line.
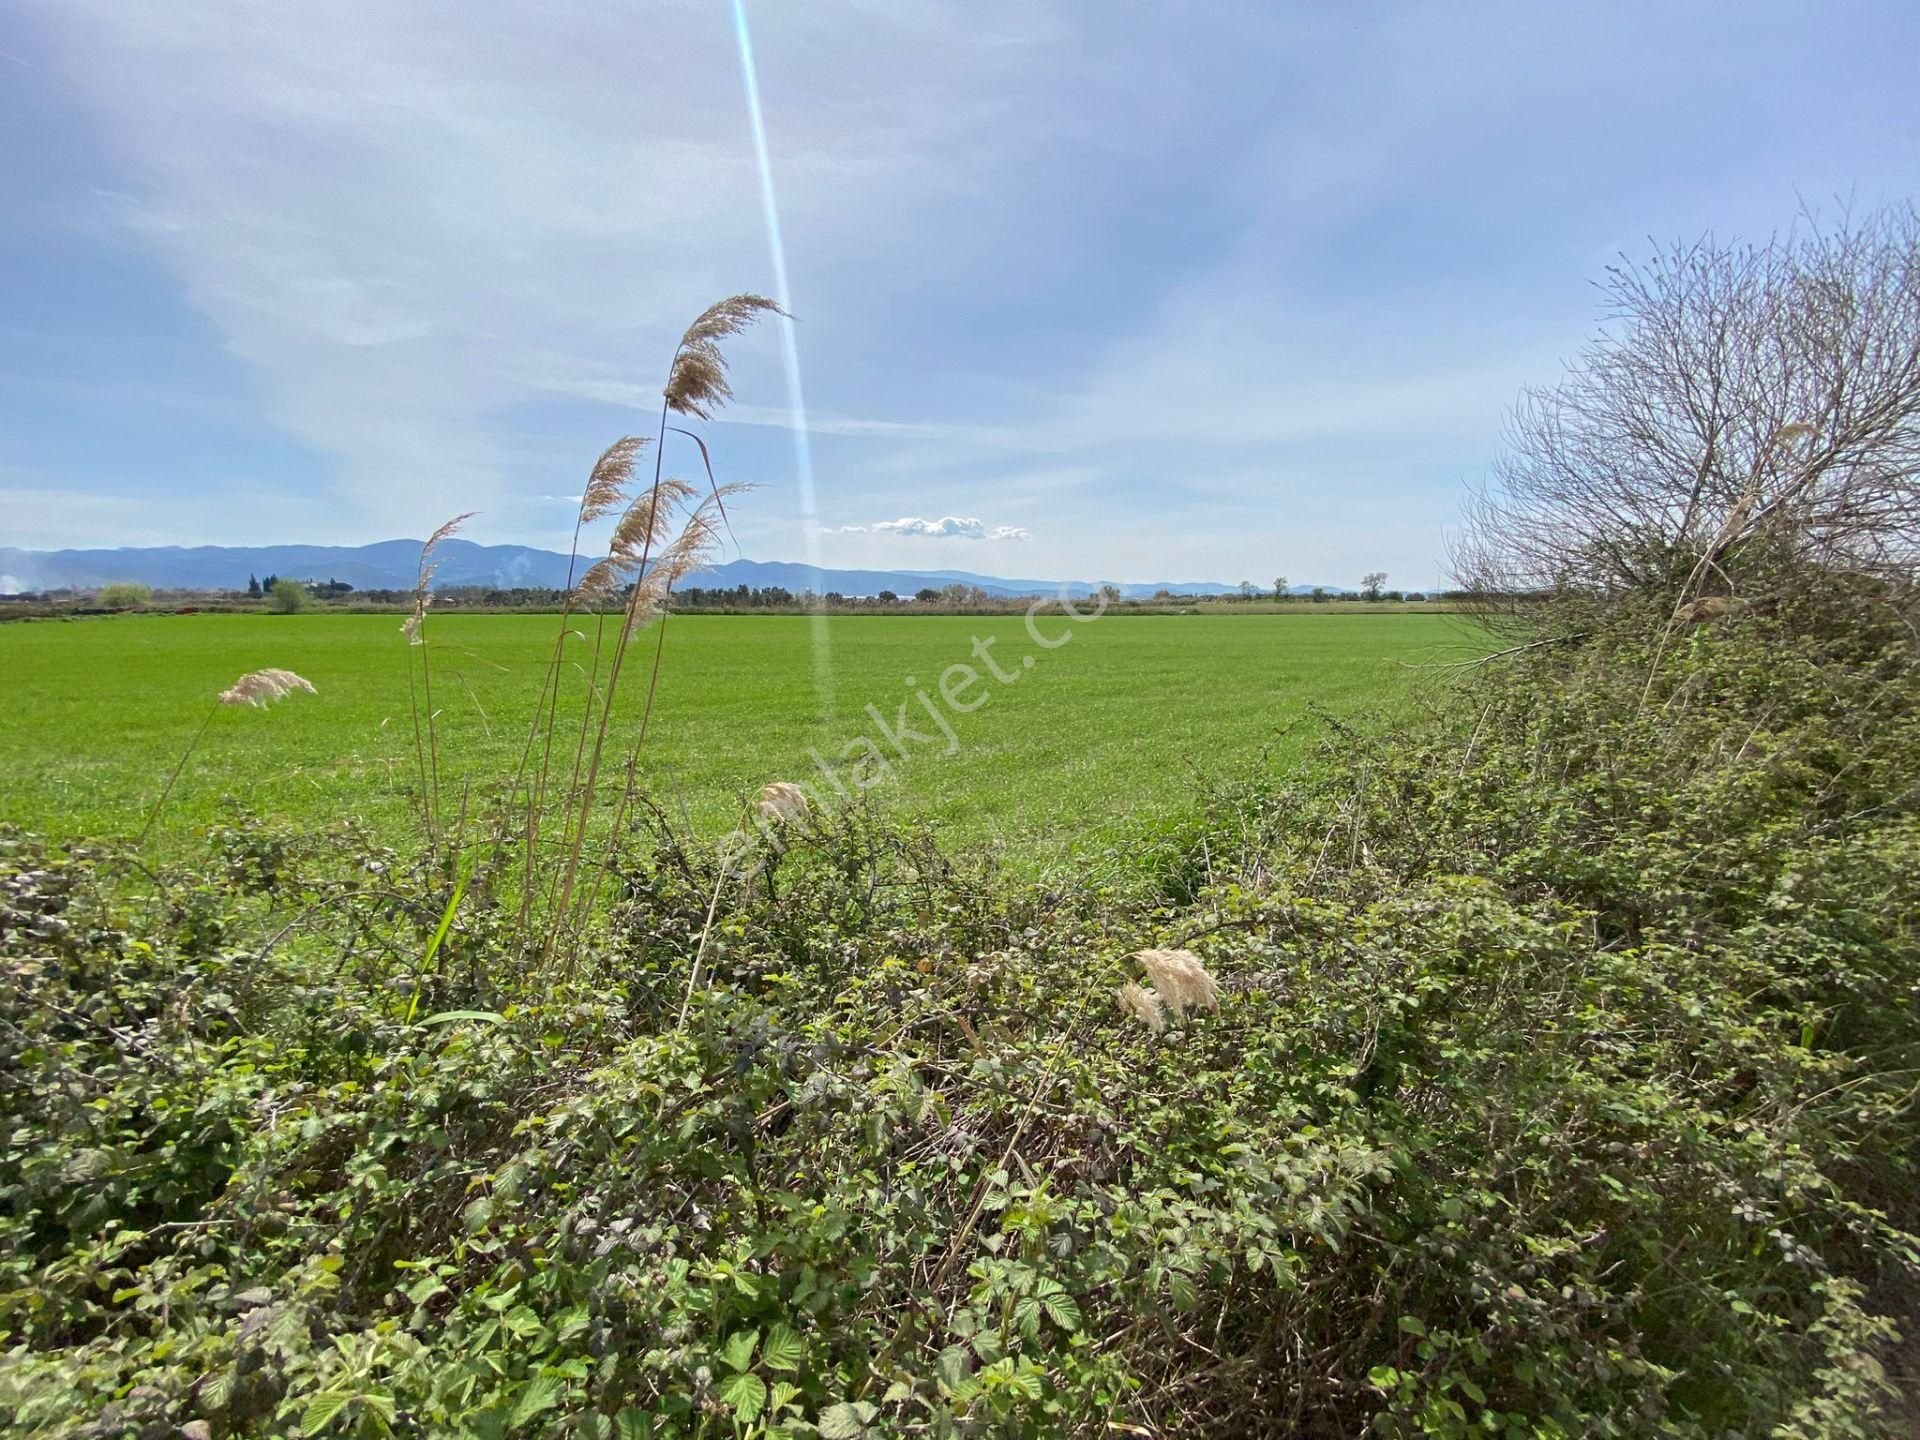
point(607, 489)
point(427, 746)
point(257, 688)
point(696, 386)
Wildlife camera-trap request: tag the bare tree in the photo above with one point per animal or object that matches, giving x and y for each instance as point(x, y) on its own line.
point(1372, 583)
point(1279, 587)
point(1741, 403)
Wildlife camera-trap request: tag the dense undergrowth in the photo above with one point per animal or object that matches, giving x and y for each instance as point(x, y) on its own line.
point(1563, 1084)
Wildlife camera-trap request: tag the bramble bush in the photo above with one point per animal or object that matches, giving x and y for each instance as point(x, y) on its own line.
point(1562, 1084)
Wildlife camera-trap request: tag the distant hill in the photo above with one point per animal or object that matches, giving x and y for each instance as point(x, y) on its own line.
point(391, 565)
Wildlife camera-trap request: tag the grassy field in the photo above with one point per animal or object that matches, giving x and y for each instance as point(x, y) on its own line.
point(1106, 727)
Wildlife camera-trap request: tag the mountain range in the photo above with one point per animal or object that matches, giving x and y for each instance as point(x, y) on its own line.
point(393, 565)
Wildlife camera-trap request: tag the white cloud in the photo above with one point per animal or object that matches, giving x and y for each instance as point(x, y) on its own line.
point(947, 527)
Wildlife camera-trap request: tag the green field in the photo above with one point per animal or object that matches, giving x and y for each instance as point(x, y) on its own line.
point(1111, 726)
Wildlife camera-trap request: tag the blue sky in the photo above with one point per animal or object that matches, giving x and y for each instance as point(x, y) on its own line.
point(1200, 291)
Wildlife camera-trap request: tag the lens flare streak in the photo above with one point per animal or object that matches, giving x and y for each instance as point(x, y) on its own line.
point(796, 400)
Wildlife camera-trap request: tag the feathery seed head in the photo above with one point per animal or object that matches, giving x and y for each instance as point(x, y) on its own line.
point(612, 475)
point(260, 688)
point(645, 522)
point(1144, 1006)
point(410, 627)
point(1180, 980)
point(649, 599)
point(697, 384)
point(427, 563)
point(781, 802)
point(606, 578)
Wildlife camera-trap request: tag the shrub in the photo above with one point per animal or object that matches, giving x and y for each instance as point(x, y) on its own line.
point(124, 595)
point(287, 597)
point(1560, 1085)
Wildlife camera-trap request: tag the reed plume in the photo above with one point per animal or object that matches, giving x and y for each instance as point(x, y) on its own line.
point(697, 382)
point(1179, 980)
point(423, 586)
point(410, 627)
point(427, 748)
point(782, 802)
point(260, 688)
point(1144, 1005)
point(429, 561)
point(611, 479)
point(645, 524)
point(257, 688)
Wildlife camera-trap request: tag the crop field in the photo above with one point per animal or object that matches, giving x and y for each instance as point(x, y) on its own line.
point(1045, 745)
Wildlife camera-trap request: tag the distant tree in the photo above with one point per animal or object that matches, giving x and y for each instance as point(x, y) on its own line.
point(1371, 583)
point(926, 595)
point(887, 597)
point(1247, 591)
point(124, 595)
point(1110, 593)
point(1280, 587)
point(1317, 594)
point(267, 582)
point(254, 591)
point(287, 597)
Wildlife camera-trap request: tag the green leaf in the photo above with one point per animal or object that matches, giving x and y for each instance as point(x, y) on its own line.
point(1185, 1297)
point(954, 1370)
point(784, 1349)
point(540, 1393)
point(847, 1420)
point(1059, 1305)
point(569, 1323)
point(746, 1393)
point(1026, 1315)
point(737, 1353)
point(322, 1408)
point(448, 1017)
point(433, 946)
point(631, 1424)
point(1412, 1325)
point(953, 1366)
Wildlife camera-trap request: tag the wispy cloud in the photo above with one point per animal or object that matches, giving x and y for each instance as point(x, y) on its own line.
point(607, 390)
point(947, 527)
point(1257, 303)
